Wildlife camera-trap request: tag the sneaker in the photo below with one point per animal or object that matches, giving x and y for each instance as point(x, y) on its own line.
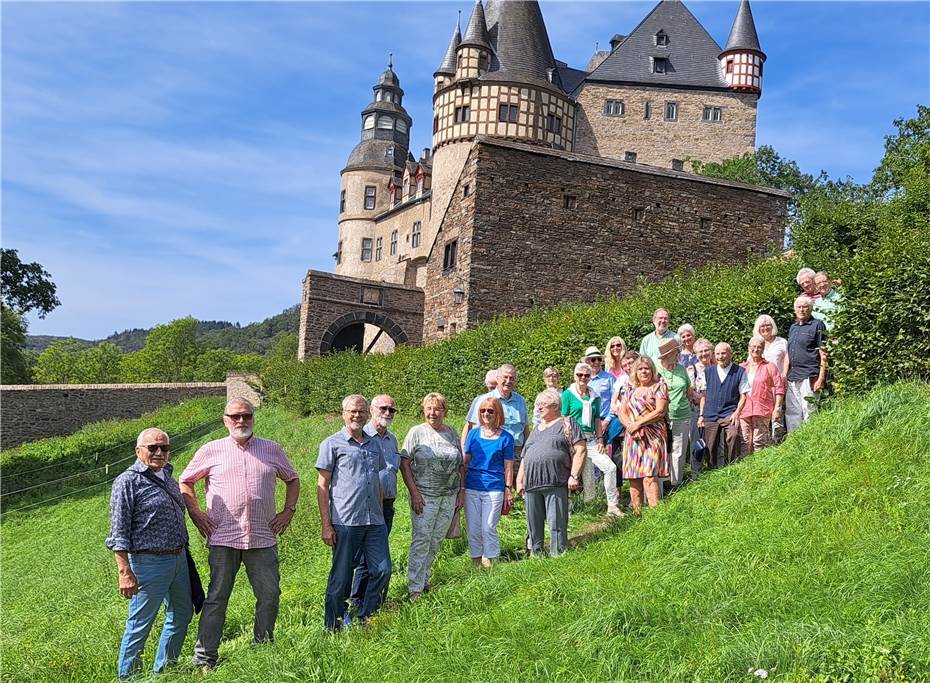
point(614, 511)
point(346, 619)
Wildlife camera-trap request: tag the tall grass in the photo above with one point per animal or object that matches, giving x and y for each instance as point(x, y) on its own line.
point(808, 561)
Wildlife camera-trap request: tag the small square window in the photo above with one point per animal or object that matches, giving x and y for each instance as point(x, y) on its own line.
point(366, 249)
point(678, 165)
point(569, 201)
point(661, 38)
point(508, 112)
point(706, 223)
point(659, 65)
point(639, 214)
point(712, 114)
point(462, 114)
point(671, 111)
point(629, 156)
point(614, 108)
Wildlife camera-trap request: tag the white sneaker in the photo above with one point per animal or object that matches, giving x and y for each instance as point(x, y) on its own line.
point(615, 511)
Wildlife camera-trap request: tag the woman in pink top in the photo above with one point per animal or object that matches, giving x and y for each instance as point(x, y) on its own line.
point(616, 347)
point(766, 398)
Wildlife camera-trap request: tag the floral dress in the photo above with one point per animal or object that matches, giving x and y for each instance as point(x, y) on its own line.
point(646, 455)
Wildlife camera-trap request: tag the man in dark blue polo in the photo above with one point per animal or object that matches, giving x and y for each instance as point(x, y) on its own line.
point(807, 364)
point(350, 496)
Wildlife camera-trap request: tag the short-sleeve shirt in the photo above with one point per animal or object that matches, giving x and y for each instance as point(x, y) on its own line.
point(679, 408)
point(574, 409)
point(435, 458)
point(355, 497)
point(391, 453)
point(649, 346)
point(485, 470)
point(804, 341)
point(775, 352)
point(547, 458)
point(515, 416)
point(602, 386)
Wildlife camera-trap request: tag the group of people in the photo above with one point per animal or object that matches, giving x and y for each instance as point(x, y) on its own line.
point(628, 415)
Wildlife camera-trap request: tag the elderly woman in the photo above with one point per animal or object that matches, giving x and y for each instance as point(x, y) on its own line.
point(580, 403)
point(687, 356)
point(645, 454)
point(488, 479)
point(433, 469)
point(766, 400)
point(679, 408)
point(551, 379)
point(616, 349)
point(552, 460)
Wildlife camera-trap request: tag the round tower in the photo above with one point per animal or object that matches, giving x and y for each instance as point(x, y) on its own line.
point(742, 59)
point(378, 158)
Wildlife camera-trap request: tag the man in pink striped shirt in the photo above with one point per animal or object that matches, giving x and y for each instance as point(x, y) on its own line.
point(240, 522)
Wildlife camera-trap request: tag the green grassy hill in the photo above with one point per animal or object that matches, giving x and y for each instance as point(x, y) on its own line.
point(810, 561)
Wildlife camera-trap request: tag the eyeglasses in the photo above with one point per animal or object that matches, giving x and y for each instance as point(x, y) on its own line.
point(387, 409)
point(155, 447)
point(240, 416)
point(582, 374)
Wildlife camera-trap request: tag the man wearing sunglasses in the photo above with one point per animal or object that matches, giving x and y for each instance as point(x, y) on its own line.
point(148, 537)
point(240, 524)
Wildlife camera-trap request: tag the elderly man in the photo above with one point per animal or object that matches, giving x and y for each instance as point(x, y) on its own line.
point(649, 346)
point(516, 420)
point(148, 537)
point(830, 299)
point(351, 499)
point(725, 394)
point(602, 382)
point(240, 522)
point(805, 364)
point(805, 280)
point(383, 409)
point(490, 382)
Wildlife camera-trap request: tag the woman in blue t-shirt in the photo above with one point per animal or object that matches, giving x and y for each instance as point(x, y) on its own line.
point(488, 480)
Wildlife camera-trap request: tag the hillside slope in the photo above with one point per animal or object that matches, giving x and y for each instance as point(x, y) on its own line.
point(808, 561)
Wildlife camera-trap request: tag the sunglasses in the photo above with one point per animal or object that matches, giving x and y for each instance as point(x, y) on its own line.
point(582, 374)
point(487, 411)
point(155, 447)
point(387, 409)
point(240, 416)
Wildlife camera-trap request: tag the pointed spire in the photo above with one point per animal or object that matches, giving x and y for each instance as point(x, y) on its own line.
point(477, 31)
point(743, 35)
point(448, 61)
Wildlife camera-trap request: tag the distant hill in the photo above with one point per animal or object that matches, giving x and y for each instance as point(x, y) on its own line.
point(215, 334)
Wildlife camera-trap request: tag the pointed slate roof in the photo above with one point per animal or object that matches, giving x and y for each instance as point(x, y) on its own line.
point(518, 36)
point(743, 35)
point(477, 31)
point(448, 61)
point(692, 54)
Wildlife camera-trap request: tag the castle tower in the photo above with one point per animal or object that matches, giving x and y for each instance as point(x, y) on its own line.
point(473, 55)
point(445, 74)
point(741, 60)
point(378, 158)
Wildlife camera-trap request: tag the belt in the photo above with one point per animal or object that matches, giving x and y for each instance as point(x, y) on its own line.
point(159, 551)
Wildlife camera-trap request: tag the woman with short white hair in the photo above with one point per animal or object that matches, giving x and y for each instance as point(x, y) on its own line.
point(687, 336)
point(805, 280)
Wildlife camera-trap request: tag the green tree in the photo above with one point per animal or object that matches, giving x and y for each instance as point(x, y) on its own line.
point(14, 368)
point(26, 286)
point(58, 364)
point(170, 352)
point(213, 364)
point(99, 365)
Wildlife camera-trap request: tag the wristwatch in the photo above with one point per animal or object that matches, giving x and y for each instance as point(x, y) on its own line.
point(292, 508)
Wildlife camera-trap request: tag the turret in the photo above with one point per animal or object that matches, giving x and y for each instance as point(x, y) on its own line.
point(473, 55)
point(445, 74)
point(741, 60)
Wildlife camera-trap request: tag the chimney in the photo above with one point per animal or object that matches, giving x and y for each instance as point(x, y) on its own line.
point(615, 41)
point(425, 155)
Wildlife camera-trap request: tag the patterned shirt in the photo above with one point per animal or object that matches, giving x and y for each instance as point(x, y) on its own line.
point(143, 516)
point(240, 489)
point(355, 497)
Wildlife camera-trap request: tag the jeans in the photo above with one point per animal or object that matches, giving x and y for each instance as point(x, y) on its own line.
point(360, 582)
point(428, 529)
point(602, 462)
point(162, 578)
point(261, 566)
point(549, 504)
point(482, 514)
point(372, 541)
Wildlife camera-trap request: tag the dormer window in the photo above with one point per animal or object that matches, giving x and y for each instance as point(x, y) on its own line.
point(661, 39)
point(659, 65)
point(385, 122)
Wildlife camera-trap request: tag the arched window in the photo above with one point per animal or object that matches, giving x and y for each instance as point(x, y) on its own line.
point(401, 125)
point(369, 121)
point(385, 122)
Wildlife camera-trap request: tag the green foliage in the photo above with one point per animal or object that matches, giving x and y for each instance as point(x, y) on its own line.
point(67, 362)
point(14, 367)
point(26, 286)
point(721, 301)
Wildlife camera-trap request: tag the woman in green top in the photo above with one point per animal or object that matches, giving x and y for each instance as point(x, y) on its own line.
point(679, 409)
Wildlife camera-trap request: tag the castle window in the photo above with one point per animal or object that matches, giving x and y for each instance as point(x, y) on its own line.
point(378, 95)
point(393, 243)
point(406, 186)
point(385, 122)
point(462, 114)
point(420, 185)
point(712, 114)
point(639, 214)
point(483, 63)
point(366, 249)
point(678, 165)
point(338, 254)
point(466, 190)
point(369, 122)
point(435, 125)
point(729, 66)
point(553, 123)
point(671, 111)
point(647, 110)
point(661, 38)
point(569, 201)
point(389, 152)
point(659, 65)
point(449, 254)
point(371, 193)
point(401, 126)
point(342, 201)
point(508, 112)
point(614, 108)
point(706, 223)
point(379, 248)
point(416, 235)
point(629, 156)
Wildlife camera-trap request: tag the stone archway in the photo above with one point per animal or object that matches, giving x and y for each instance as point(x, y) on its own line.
point(347, 332)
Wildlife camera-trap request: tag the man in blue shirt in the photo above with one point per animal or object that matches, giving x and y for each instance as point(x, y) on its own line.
point(602, 382)
point(516, 420)
point(350, 496)
point(148, 537)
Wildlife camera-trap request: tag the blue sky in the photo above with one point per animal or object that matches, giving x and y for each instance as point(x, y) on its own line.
point(166, 159)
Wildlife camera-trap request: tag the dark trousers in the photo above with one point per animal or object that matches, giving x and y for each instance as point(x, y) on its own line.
point(372, 541)
point(360, 582)
point(723, 440)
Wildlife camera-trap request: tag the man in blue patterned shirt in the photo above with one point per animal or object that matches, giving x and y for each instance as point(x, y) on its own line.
point(148, 537)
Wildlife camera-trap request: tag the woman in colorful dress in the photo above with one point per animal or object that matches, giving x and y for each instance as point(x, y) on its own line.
point(616, 348)
point(645, 451)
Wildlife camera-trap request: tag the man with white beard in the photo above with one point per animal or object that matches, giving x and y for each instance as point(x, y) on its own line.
point(240, 523)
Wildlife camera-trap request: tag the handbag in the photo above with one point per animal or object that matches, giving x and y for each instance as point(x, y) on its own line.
point(699, 446)
point(455, 527)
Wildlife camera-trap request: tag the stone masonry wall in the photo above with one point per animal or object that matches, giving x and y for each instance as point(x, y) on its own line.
point(657, 141)
point(36, 411)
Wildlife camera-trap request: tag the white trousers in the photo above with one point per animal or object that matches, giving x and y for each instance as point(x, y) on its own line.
point(482, 513)
point(797, 409)
point(602, 462)
point(679, 449)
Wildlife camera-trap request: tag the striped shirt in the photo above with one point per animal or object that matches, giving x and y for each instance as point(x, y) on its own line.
point(240, 489)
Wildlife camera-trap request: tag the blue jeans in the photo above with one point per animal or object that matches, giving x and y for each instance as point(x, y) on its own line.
point(162, 578)
point(372, 541)
point(360, 582)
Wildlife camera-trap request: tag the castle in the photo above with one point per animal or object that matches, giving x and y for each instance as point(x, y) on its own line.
point(544, 183)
